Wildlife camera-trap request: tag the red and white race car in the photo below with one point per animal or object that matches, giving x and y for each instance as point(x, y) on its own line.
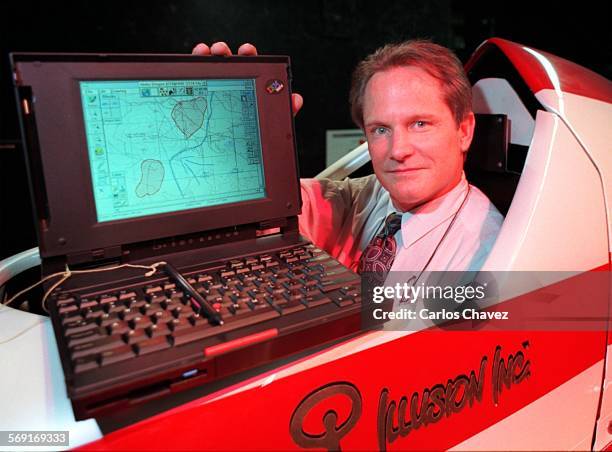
point(542, 154)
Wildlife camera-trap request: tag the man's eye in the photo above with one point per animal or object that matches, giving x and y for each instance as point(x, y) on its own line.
point(379, 130)
point(421, 124)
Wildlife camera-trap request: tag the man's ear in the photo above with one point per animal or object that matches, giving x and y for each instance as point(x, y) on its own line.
point(466, 131)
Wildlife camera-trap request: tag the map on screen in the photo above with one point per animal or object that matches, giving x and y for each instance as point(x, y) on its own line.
point(158, 146)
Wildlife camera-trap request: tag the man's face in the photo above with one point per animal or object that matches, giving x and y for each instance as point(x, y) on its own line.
point(415, 144)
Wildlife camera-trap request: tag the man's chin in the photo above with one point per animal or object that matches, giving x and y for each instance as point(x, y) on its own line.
point(406, 201)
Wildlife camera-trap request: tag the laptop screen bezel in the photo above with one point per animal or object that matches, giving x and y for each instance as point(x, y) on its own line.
point(71, 224)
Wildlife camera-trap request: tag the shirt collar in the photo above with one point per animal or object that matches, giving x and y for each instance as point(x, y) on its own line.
point(422, 219)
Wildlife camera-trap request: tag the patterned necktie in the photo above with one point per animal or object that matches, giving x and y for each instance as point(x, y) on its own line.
point(379, 254)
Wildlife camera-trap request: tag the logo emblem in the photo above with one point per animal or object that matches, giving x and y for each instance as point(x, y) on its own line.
point(334, 430)
point(274, 86)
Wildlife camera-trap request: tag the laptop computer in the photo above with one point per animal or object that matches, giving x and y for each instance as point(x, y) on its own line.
point(188, 163)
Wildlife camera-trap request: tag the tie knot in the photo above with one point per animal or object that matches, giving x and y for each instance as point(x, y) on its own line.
point(392, 224)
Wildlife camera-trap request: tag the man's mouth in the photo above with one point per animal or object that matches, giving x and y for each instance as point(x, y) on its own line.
point(404, 170)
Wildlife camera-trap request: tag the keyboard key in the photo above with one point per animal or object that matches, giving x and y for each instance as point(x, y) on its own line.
point(162, 317)
point(340, 298)
point(276, 290)
point(156, 298)
point(292, 306)
point(117, 328)
point(217, 298)
point(86, 336)
point(116, 354)
point(351, 291)
point(65, 300)
point(179, 324)
point(134, 336)
point(80, 326)
point(127, 295)
point(152, 345)
point(153, 289)
point(93, 315)
point(95, 347)
point(117, 309)
point(294, 295)
point(139, 304)
point(72, 319)
point(66, 309)
point(184, 313)
point(316, 300)
point(130, 314)
point(88, 304)
point(108, 319)
point(175, 297)
point(260, 314)
point(200, 331)
point(158, 330)
point(104, 299)
point(205, 278)
point(333, 284)
point(85, 364)
point(292, 285)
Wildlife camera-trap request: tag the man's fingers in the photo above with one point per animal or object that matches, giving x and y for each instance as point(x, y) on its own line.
point(201, 49)
point(247, 49)
point(220, 49)
point(296, 103)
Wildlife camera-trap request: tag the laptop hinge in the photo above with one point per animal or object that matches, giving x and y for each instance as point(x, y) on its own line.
point(95, 257)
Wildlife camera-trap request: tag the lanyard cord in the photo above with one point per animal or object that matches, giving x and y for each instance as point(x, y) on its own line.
point(448, 228)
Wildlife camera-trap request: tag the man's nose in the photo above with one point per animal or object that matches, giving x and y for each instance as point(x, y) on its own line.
point(401, 145)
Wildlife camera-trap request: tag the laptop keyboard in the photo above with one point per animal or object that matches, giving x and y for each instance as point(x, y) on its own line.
point(104, 329)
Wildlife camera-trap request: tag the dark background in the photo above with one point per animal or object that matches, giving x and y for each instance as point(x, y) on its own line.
point(324, 38)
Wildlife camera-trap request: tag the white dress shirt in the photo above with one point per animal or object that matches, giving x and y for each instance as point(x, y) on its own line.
point(342, 217)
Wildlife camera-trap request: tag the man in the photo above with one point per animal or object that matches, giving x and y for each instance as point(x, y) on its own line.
point(417, 212)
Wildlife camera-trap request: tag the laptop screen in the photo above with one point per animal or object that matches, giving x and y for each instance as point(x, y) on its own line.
point(158, 146)
point(127, 151)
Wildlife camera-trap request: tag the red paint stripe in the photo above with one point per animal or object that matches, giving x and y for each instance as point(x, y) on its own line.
point(572, 77)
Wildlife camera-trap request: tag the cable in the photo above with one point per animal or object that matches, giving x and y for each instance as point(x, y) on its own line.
point(68, 273)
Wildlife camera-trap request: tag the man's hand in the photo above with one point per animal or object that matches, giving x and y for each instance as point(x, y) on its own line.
point(222, 49)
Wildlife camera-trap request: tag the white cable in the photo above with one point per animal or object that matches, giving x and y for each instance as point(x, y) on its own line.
point(68, 273)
